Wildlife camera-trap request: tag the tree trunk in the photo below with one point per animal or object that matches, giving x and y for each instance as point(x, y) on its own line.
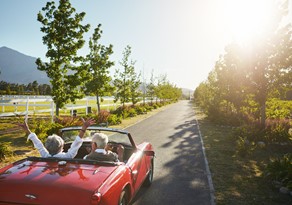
point(98, 103)
point(57, 110)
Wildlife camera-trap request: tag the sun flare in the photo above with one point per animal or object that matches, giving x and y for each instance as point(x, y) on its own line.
point(246, 20)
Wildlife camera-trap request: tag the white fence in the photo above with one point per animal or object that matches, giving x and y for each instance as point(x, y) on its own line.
point(30, 101)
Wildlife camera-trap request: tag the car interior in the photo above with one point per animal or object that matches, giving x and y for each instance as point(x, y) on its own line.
point(115, 139)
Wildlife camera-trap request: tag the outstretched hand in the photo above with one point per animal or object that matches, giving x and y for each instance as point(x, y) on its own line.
point(85, 125)
point(24, 126)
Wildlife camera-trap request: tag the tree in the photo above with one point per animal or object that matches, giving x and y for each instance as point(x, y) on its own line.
point(270, 60)
point(99, 65)
point(35, 88)
point(127, 81)
point(63, 37)
point(151, 88)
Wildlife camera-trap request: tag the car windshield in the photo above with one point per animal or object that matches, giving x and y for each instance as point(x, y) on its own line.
point(113, 136)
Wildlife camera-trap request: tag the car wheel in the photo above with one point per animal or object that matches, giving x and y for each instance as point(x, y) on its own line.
point(149, 179)
point(123, 198)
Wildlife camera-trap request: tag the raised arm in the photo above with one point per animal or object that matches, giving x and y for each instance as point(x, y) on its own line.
point(85, 125)
point(35, 140)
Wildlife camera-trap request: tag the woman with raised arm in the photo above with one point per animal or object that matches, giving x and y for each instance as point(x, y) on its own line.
point(54, 144)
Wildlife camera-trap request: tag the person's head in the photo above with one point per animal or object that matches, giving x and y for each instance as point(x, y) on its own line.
point(54, 144)
point(99, 140)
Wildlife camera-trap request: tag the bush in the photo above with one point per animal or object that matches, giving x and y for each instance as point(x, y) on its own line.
point(244, 147)
point(274, 131)
point(121, 111)
point(113, 119)
point(280, 169)
point(278, 131)
point(278, 109)
point(43, 128)
point(103, 116)
point(140, 110)
point(5, 150)
point(131, 112)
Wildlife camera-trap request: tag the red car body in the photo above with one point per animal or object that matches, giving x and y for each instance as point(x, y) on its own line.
point(53, 181)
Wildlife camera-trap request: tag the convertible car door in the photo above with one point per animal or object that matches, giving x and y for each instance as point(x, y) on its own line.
point(138, 168)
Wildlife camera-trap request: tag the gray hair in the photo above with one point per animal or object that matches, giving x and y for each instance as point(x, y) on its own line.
point(100, 139)
point(54, 144)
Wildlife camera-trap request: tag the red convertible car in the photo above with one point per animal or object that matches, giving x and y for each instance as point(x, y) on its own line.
point(56, 181)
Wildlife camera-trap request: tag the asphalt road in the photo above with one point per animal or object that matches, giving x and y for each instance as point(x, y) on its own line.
point(180, 171)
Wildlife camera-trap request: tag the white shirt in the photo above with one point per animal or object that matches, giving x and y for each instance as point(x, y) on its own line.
point(71, 153)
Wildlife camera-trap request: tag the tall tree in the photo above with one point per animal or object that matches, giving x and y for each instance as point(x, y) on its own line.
point(126, 81)
point(151, 88)
point(270, 60)
point(99, 65)
point(63, 37)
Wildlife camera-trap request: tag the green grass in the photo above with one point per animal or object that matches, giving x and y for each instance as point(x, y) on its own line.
point(238, 180)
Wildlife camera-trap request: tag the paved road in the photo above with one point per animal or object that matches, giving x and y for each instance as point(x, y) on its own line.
point(180, 174)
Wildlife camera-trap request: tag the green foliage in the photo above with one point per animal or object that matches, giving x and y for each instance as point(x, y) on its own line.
point(279, 109)
point(103, 116)
point(278, 131)
point(275, 131)
point(5, 150)
point(140, 109)
point(244, 82)
point(114, 119)
point(63, 37)
point(243, 147)
point(40, 128)
point(120, 111)
point(280, 169)
point(126, 80)
point(22, 89)
point(43, 128)
point(132, 112)
point(99, 64)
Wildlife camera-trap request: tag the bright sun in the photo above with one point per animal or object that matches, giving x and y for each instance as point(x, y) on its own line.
point(246, 19)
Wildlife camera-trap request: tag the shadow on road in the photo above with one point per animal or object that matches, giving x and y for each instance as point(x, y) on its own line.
point(180, 155)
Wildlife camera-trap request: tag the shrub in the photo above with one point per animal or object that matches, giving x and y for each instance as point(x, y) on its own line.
point(244, 147)
point(68, 121)
point(113, 119)
point(155, 106)
point(132, 112)
point(140, 110)
point(5, 150)
point(121, 111)
point(103, 116)
point(278, 109)
point(148, 107)
point(278, 131)
point(280, 169)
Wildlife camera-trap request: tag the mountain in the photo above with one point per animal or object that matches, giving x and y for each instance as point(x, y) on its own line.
point(19, 68)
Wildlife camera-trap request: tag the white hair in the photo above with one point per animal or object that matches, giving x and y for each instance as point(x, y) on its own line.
point(54, 144)
point(100, 139)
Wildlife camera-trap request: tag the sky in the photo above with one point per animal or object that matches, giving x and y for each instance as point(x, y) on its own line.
point(181, 39)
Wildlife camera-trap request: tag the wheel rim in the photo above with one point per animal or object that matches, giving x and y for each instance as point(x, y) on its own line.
point(123, 199)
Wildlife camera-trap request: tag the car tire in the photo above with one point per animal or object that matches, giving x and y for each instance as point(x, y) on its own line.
point(149, 179)
point(123, 198)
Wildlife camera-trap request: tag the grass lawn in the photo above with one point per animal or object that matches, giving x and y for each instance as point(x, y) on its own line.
point(238, 180)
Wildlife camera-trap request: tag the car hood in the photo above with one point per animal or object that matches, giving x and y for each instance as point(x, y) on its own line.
point(32, 182)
